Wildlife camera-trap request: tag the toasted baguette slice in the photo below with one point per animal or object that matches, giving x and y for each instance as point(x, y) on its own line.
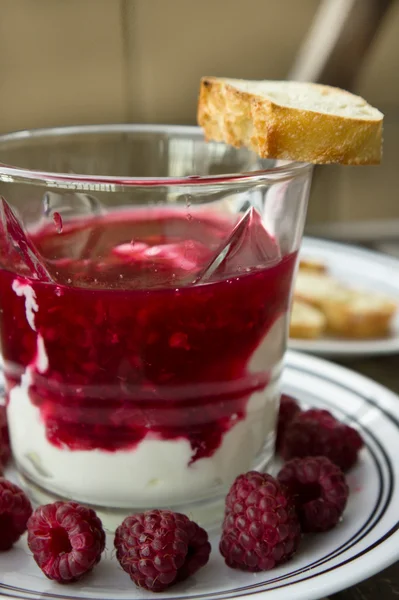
point(306, 122)
point(306, 322)
point(349, 313)
point(313, 265)
point(359, 315)
point(317, 288)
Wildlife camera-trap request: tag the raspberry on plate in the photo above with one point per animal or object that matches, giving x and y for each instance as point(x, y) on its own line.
point(15, 510)
point(317, 433)
point(319, 489)
point(261, 527)
point(66, 540)
point(289, 408)
point(159, 548)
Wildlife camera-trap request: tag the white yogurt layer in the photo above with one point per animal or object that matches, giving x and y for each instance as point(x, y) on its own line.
point(156, 472)
point(24, 289)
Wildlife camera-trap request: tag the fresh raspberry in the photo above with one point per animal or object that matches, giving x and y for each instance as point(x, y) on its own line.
point(66, 540)
point(158, 548)
point(317, 433)
point(289, 408)
point(15, 510)
point(319, 489)
point(261, 528)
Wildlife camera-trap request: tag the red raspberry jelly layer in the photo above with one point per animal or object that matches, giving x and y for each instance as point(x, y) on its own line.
point(145, 332)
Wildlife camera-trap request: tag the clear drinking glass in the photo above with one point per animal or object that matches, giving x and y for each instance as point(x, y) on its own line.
point(145, 280)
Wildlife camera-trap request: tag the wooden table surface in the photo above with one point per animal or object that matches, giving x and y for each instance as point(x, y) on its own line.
point(384, 585)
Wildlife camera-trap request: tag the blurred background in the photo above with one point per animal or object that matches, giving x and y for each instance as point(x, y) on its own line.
point(99, 61)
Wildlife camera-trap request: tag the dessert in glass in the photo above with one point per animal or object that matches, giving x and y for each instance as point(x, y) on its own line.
point(145, 281)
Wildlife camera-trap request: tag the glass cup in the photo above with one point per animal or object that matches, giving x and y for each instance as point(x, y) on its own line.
point(145, 281)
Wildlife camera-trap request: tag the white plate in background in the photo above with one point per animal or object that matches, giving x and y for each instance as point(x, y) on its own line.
point(363, 269)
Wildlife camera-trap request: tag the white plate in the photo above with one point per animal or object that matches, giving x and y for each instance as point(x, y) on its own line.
point(366, 541)
point(363, 269)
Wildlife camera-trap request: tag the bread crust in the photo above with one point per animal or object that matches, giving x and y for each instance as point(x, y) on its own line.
point(306, 322)
point(312, 265)
point(349, 313)
point(239, 118)
point(343, 319)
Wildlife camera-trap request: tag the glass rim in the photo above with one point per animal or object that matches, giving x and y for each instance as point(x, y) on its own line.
point(12, 173)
